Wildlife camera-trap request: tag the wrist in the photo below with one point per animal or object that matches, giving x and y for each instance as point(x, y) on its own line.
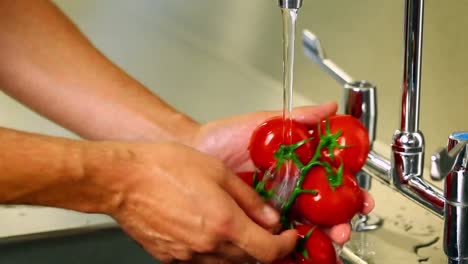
point(184, 129)
point(170, 126)
point(104, 163)
point(59, 172)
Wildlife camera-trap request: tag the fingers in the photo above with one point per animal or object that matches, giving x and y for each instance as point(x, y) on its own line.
point(261, 244)
point(233, 253)
point(158, 250)
point(369, 202)
point(206, 259)
point(164, 258)
point(250, 202)
point(340, 234)
point(226, 253)
point(311, 115)
point(166, 251)
point(180, 252)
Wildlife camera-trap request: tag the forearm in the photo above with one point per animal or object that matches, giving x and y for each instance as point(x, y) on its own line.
point(56, 172)
point(51, 67)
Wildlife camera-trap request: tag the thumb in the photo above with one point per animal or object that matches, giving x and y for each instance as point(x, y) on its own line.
point(261, 244)
point(311, 115)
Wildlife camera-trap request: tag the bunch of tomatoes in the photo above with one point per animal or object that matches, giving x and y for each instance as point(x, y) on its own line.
point(310, 180)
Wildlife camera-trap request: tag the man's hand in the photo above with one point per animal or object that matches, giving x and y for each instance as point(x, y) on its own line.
point(176, 201)
point(228, 140)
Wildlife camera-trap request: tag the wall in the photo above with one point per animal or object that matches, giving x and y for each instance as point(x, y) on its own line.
point(364, 37)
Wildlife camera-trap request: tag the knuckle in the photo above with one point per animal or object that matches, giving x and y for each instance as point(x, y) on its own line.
point(223, 225)
point(219, 170)
point(182, 254)
point(164, 258)
point(254, 201)
point(216, 168)
point(206, 245)
point(271, 256)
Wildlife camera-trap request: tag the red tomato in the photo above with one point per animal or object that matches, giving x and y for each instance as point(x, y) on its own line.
point(330, 205)
point(267, 138)
point(354, 139)
point(318, 245)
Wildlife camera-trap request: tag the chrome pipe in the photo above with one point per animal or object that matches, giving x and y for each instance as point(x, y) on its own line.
point(378, 167)
point(412, 65)
point(416, 189)
point(408, 142)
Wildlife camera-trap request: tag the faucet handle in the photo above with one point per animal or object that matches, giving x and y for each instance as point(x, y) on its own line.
point(360, 101)
point(454, 157)
point(359, 97)
point(313, 49)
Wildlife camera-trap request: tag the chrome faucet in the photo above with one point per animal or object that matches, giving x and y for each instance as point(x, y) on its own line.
point(404, 172)
point(290, 4)
point(452, 163)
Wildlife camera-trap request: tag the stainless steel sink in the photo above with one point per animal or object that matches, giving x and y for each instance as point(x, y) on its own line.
point(102, 245)
point(96, 245)
point(409, 234)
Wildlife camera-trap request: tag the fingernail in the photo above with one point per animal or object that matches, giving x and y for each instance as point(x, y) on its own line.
point(270, 215)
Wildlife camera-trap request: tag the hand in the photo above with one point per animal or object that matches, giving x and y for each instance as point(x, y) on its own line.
point(176, 201)
point(228, 139)
point(228, 255)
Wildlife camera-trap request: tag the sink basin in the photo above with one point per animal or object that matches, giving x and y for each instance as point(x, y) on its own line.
point(93, 246)
point(409, 235)
point(108, 245)
point(399, 240)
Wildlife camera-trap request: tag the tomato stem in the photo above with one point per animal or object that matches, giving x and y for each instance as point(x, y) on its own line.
point(304, 239)
point(314, 192)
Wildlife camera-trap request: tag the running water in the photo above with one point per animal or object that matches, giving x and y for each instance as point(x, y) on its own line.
point(289, 30)
point(286, 182)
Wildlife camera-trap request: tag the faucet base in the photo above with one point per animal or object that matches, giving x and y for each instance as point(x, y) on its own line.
point(456, 216)
point(365, 223)
point(457, 261)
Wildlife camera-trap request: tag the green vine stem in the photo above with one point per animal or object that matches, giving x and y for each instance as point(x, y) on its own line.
point(298, 188)
point(287, 152)
point(301, 244)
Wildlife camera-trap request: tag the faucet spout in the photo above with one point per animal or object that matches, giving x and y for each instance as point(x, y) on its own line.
point(290, 4)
